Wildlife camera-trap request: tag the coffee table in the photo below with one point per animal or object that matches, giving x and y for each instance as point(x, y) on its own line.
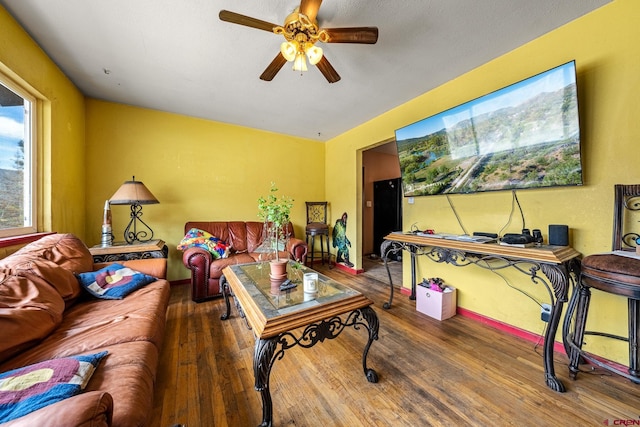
point(273, 315)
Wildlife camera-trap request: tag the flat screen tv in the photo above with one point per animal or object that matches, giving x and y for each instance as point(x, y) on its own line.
point(526, 135)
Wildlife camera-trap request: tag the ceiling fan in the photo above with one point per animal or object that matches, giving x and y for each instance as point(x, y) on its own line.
point(301, 33)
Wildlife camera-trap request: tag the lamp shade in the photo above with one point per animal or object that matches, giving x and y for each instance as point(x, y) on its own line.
point(300, 64)
point(133, 192)
point(314, 53)
point(289, 50)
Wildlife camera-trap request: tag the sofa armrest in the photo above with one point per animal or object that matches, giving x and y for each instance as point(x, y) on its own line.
point(298, 249)
point(156, 267)
point(197, 259)
point(90, 409)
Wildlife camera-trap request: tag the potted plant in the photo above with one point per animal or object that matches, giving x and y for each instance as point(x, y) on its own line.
point(275, 212)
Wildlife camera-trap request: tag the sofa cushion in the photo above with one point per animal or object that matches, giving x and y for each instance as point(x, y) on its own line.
point(32, 387)
point(114, 281)
point(128, 374)
point(87, 409)
point(29, 310)
point(216, 228)
point(96, 324)
point(65, 250)
point(196, 238)
point(62, 280)
point(215, 270)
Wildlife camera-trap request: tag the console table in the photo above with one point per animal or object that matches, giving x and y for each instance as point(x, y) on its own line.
point(559, 265)
point(122, 251)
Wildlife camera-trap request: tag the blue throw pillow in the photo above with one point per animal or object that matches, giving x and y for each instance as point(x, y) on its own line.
point(28, 389)
point(114, 281)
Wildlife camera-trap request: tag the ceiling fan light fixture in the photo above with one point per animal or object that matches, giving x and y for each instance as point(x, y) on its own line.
point(314, 53)
point(301, 32)
point(289, 50)
point(300, 63)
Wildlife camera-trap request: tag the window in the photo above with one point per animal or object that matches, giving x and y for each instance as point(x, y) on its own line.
point(17, 160)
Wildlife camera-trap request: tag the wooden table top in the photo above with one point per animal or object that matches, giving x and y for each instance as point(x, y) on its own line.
point(270, 311)
point(124, 247)
point(543, 253)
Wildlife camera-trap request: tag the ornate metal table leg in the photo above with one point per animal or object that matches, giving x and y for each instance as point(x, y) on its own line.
point(225, 293)
point(268, 350)
point(559, 278)
point(263, 358)
point(413, 250)
point(372, 326)
point(384, 248)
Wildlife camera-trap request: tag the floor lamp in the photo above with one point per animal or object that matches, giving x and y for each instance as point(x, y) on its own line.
point(135, 194)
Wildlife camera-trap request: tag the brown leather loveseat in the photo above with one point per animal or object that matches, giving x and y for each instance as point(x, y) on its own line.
point(45, 314)
point(244, 238)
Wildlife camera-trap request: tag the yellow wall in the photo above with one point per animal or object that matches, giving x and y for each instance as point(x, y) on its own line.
point(62, 134)
point(199, 170)
point(202, 170)
point(607, 53)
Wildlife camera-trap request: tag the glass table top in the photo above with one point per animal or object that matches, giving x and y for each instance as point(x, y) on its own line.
point(273, 302)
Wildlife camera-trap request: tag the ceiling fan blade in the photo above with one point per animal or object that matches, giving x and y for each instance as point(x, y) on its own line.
point(270, 72)
point(236, 18)
point(366, 35)
point(310, 8)
point(327, 70)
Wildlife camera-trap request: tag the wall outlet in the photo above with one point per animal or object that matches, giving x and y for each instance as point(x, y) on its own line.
point(545, 312)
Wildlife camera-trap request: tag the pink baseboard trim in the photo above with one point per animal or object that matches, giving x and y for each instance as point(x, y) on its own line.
point(348, 269)
point(180, 282)
point(520, 333)
point(510, 329)
point(501, 326)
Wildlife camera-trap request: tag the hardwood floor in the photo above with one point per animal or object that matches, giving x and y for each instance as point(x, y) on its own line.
point(455, 372)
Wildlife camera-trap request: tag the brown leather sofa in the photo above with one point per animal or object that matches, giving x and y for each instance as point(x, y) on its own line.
point(244, 239)
point(55, 318)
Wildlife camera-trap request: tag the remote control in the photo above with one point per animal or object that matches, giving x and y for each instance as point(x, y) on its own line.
point(287, 284)
point(484, 234)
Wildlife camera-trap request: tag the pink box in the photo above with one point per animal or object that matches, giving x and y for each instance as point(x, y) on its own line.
point(439, 305)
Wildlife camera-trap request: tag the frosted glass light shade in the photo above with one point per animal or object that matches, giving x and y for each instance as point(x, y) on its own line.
point(314, 53)
point(300, 63)
point(289, 50)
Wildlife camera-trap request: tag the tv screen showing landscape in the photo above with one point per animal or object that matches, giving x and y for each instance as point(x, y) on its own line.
point(526, 135)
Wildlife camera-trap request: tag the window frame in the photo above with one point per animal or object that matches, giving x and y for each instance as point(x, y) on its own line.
point(31, 148)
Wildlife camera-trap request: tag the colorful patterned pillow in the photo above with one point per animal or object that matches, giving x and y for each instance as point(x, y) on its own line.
point(201, 239)
point(28, 389)
point(114, 281)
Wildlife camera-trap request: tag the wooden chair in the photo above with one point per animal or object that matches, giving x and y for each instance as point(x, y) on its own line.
point(615, 273)
point(317, 226)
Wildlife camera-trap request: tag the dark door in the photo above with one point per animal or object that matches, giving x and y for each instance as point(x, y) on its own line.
point(387, 210)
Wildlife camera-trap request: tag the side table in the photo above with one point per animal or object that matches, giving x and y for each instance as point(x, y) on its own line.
point(121, 251)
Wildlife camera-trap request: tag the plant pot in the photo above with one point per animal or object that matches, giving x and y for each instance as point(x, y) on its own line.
point(278, 269)
point(275, 286)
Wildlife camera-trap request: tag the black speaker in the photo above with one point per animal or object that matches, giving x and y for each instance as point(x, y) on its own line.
point(559, 235)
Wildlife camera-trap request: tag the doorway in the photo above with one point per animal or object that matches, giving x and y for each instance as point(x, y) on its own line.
point(387, 210)
point(379, 163)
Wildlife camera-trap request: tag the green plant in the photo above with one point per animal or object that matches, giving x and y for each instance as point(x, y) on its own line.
point(296, 271)
point(275, 212)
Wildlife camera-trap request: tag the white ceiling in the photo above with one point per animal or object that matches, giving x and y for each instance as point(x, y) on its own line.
point(177, 56)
